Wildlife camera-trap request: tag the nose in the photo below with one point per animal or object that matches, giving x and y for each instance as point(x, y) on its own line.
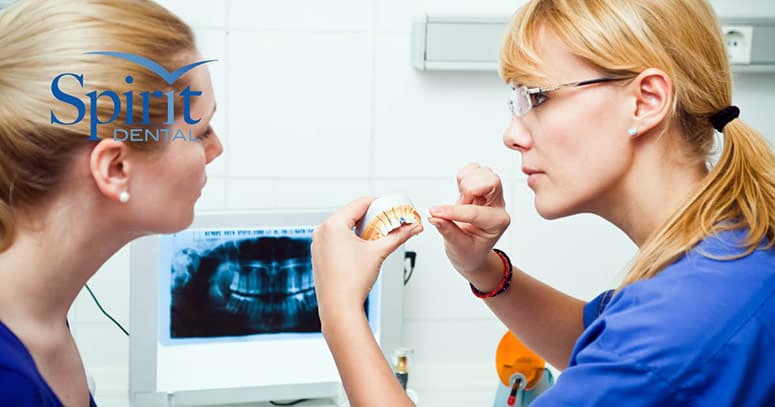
point(213, 148)
point(517, 136)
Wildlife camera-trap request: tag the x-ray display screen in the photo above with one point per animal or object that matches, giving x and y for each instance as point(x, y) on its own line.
point(237, 284)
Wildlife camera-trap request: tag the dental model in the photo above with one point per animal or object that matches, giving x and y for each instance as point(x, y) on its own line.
point(386, 214)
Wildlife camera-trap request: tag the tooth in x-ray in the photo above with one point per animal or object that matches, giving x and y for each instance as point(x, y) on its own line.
point(243, 287)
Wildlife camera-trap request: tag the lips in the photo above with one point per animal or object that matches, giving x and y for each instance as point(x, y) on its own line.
point(532, 176)
point(530, 171)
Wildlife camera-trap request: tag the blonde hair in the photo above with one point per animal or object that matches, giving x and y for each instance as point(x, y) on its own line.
point(42, 39)
point(683, 38)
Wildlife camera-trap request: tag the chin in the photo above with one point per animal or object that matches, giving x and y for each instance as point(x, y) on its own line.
point(188, 220)
point(550, 210)
point(177, 222)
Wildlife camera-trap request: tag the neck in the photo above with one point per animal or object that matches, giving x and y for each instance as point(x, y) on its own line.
point(51, 260)
point(657, 185)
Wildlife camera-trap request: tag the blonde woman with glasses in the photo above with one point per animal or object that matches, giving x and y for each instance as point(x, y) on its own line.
point(615, 104)
point(70, 196)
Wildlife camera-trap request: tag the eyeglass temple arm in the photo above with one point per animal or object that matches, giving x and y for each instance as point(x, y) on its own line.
point(533, 91)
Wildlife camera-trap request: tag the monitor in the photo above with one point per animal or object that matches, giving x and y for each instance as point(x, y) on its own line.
point(226, 312)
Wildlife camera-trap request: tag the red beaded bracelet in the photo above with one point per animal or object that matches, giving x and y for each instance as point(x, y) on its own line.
point(505, 282)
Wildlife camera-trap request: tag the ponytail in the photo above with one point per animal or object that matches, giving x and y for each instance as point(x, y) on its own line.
point(738, 193)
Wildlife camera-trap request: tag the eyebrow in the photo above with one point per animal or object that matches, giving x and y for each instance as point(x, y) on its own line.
point(215, 107)
point(206, 129)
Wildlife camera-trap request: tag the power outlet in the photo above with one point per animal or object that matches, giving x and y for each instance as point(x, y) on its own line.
point(738, 40)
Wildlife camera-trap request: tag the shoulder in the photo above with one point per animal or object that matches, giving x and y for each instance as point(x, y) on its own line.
point(20, 382)
point(17, 389)
point(695, 311)
point(14, 356)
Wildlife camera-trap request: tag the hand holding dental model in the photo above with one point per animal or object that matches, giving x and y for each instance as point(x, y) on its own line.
point(345, 268)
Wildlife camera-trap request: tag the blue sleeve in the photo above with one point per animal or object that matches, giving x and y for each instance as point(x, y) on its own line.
point(607, 368)
point(604, 379)
point(17, 390)
point(593, 308)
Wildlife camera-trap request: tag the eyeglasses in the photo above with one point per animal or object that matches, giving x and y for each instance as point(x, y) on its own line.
point(523, 98)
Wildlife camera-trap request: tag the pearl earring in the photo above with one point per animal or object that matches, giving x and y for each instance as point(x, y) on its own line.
point(632, 132)
point(123, 197)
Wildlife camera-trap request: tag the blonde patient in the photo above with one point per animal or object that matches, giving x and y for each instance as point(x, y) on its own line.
point(68, 203)
point(613, 109)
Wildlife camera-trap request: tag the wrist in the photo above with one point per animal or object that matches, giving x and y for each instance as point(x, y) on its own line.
point(334, 318)
point(488, 277)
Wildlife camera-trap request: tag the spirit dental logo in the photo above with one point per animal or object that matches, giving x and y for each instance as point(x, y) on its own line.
point(130, 133)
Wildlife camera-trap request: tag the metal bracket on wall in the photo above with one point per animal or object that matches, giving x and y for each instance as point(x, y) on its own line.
point(442, 43)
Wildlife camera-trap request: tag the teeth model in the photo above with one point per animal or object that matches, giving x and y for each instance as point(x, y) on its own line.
point(386, 214)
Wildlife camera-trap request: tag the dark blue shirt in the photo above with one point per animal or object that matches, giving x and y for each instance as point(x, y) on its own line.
point(21, 384)
point(700, 333)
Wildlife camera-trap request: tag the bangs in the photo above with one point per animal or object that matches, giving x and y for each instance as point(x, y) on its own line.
point(519, 61)
point(594, 31)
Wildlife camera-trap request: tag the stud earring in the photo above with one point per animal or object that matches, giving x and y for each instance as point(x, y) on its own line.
point(632, 132)
point(123, 197)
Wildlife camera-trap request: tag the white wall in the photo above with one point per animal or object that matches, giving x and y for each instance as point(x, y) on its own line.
point(330, 84)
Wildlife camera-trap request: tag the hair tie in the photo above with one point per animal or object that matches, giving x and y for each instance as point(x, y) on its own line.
point(722, 118)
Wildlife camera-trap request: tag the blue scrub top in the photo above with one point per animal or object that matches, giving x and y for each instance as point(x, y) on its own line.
point(700, 333)
point(21, 383)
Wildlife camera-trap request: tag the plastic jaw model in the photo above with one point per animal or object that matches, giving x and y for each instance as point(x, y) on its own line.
point(386, 214)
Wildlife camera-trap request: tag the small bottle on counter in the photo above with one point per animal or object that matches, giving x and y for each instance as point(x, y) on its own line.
point(401, 367)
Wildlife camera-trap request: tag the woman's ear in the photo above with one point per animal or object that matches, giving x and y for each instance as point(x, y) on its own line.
point(111, 168)
point(653, 93)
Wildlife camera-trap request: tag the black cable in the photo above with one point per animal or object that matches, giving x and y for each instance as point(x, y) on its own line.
point(103, 310)
point(290, 403)
point(412, 257)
